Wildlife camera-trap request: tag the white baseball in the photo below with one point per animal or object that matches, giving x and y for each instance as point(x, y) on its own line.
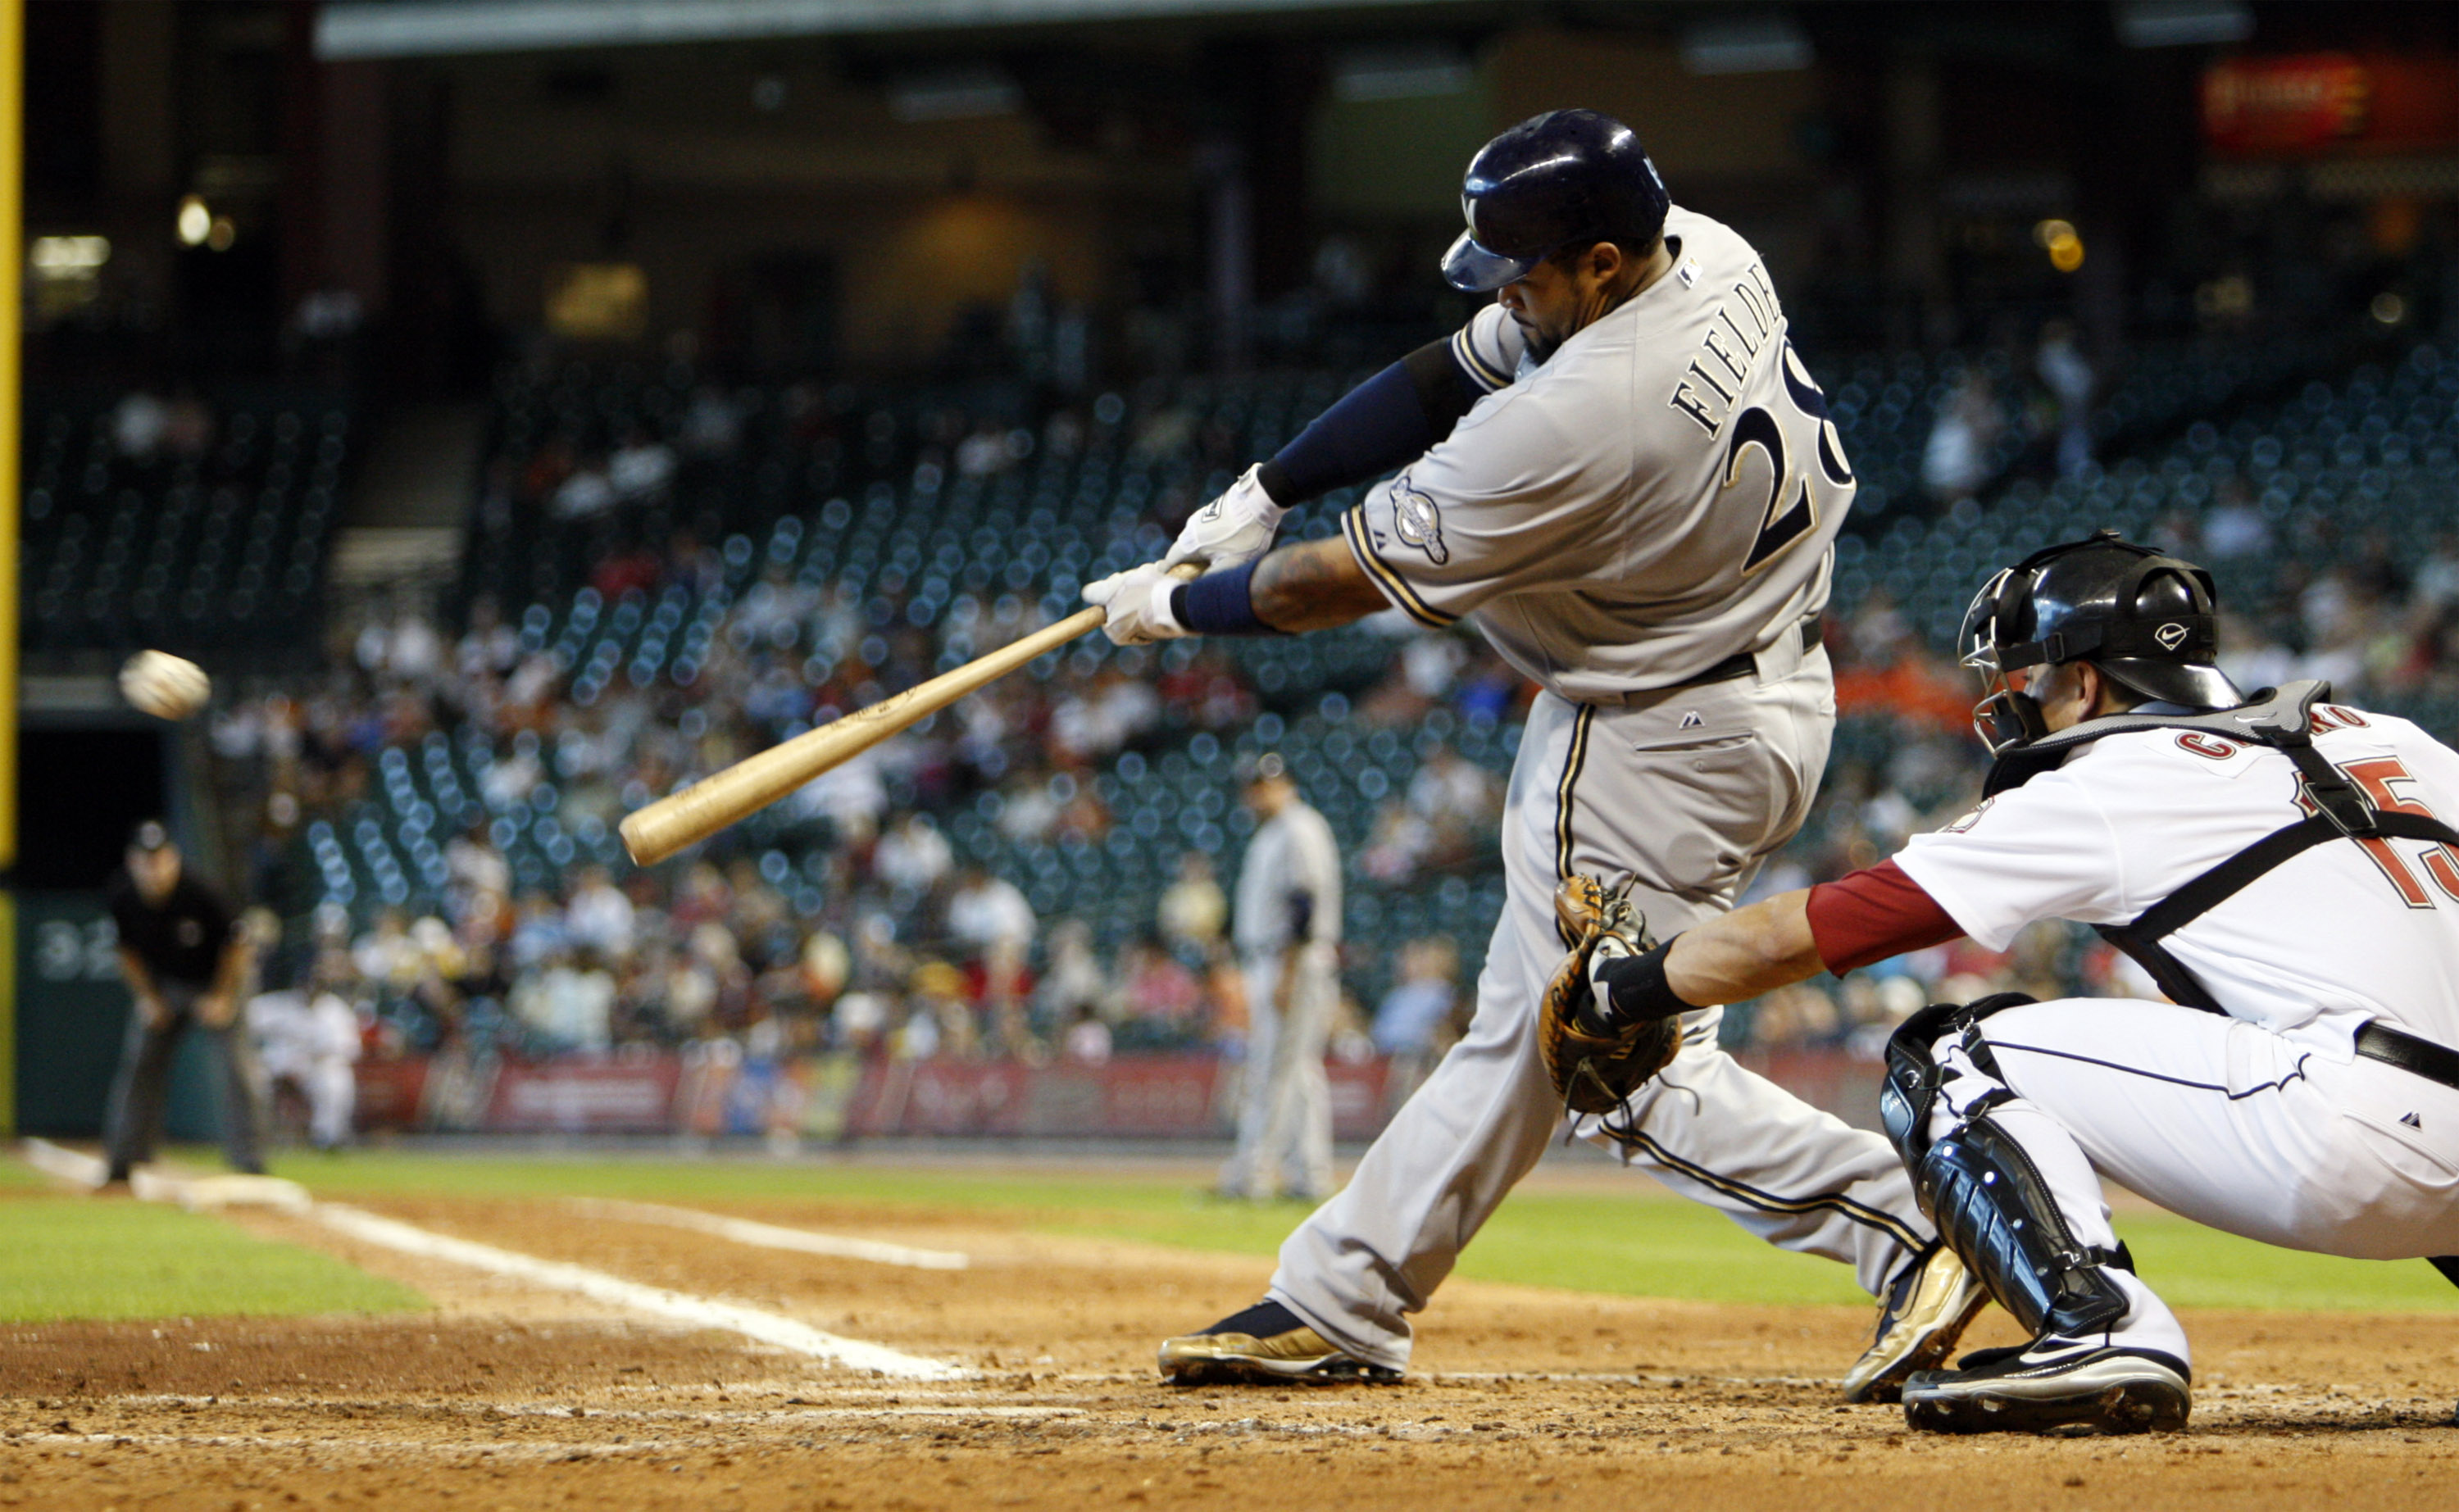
point(164, 685)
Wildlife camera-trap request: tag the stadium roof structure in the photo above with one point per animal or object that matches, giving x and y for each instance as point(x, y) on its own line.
point(375, 29)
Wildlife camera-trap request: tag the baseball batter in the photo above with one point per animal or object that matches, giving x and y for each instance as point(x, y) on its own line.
point(1287, 929)
point(2280, 866)
point(1623, 473)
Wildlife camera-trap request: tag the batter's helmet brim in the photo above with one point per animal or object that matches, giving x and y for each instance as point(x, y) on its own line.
point(1473, 270)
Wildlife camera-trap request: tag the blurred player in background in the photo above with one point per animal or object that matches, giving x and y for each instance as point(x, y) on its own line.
point(308, 1036)
point(1287, 929)
point(185, 959)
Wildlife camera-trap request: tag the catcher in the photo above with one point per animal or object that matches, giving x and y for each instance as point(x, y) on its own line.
point(2278, 864)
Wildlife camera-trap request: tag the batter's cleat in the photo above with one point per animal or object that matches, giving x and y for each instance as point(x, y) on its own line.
point(1266, 1345)
point(1933, 1300)
point(2056, 1385)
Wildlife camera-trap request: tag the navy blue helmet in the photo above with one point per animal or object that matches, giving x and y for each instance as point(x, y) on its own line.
point(1563, 177)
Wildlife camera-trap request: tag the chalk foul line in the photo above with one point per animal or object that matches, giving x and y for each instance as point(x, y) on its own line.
point(766, 1327)
point(771, 1236)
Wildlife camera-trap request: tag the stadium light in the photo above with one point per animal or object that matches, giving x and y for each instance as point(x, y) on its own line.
point(2059, 240)
point(1755, 44)
point(1408, 70)
point(966, 93)
point(67, 256)
point(195, 221)
point(2183, 23)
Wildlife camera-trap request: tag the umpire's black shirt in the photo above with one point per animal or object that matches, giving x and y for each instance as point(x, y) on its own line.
point(179, 941)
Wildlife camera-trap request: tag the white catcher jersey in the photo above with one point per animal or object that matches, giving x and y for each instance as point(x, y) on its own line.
point(2346, 932)
point(1658, 494)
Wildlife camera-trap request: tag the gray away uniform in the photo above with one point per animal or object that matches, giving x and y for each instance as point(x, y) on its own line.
point(1287, 929)
point(1658, 497)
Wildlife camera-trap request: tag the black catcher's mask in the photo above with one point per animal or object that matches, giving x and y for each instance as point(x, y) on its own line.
point(2147, 620)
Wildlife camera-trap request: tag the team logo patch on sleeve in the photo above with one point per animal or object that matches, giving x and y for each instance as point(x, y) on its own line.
point(1418, 521)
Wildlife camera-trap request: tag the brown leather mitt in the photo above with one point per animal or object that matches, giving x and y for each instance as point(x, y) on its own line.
point(1594, 1068)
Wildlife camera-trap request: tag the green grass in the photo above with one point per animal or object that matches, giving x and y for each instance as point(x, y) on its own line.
point(1643, 1244)
point(78, 1257)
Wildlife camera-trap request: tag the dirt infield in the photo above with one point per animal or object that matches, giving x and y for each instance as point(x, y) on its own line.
point(509, 1396)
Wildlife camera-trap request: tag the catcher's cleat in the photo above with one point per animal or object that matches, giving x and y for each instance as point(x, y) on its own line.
point(1266, 1345)
point(1933, 1300)
point(2054, 1385)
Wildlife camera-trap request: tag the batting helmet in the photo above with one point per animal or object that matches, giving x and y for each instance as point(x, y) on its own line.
point(1554, 180)
point(2147, 620)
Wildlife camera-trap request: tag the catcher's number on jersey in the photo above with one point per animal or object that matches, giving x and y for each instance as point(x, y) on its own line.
point(1805, 418)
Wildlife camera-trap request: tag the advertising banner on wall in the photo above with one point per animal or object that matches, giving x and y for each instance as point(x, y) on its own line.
point(715, 1092)
point(2329, 103)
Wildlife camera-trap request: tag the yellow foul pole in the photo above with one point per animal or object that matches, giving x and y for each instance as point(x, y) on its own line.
point(12, 263)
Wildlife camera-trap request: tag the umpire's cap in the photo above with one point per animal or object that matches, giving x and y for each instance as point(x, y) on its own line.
point(1563, 177)
point(2149, 621)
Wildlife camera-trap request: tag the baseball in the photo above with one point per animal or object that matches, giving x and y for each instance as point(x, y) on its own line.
point(164, 685)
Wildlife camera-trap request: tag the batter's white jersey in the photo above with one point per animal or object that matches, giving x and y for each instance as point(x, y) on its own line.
point(1658, 494)
point(2344, 933)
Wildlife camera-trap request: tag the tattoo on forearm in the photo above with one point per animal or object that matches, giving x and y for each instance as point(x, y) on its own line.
point(1313, 586)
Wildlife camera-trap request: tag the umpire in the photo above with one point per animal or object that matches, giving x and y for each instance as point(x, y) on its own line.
point(184, 957)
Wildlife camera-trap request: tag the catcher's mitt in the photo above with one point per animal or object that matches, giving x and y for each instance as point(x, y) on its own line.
point(1593, 1066)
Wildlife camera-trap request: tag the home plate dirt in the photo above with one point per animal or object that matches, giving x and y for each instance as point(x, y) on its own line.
point(505, 1395)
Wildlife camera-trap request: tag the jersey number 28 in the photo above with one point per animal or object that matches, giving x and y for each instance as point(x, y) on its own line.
point(1783, 522)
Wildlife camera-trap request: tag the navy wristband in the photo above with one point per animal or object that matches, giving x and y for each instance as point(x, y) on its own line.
point(1638, 990)
point(1219, 603)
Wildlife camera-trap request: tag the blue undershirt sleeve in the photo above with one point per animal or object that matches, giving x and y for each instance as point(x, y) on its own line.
point(1388, 420)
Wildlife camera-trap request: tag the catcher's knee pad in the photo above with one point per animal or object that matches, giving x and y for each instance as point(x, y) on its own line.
point(1995, 1211)
point(1913, 1077)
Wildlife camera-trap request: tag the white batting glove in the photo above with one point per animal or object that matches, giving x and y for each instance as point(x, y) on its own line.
point(1237, 527)
point(1138, 602)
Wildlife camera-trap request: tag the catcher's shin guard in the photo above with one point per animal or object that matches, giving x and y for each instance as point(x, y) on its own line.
point(1994, 1209)
point(1990, 1203)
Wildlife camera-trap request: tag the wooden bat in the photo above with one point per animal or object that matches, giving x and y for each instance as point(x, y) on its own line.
point(658, 830)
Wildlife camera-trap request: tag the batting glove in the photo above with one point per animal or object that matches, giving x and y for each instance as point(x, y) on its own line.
point(1236, 528)
point(1138, 602)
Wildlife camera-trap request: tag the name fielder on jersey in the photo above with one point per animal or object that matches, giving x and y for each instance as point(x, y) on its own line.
point(1761, 321)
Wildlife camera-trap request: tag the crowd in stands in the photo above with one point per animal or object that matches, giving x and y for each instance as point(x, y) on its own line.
point(861, 927)
point(1039, 873)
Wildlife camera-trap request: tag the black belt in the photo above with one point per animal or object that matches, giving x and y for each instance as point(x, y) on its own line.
point(1742, 663)
point(2379, 1041)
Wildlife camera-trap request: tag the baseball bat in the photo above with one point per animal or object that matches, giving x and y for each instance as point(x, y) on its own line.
point(658, 830)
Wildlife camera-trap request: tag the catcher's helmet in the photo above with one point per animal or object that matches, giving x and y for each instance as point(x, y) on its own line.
point(1546, 183)
point(2147, 620)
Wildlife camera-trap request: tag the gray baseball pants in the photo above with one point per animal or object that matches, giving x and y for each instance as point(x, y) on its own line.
point(143, 1086)
point(1685, 792)
point(1285, 1099)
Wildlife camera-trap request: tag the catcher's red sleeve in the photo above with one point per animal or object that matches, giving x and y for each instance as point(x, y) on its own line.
point(1874, 914)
